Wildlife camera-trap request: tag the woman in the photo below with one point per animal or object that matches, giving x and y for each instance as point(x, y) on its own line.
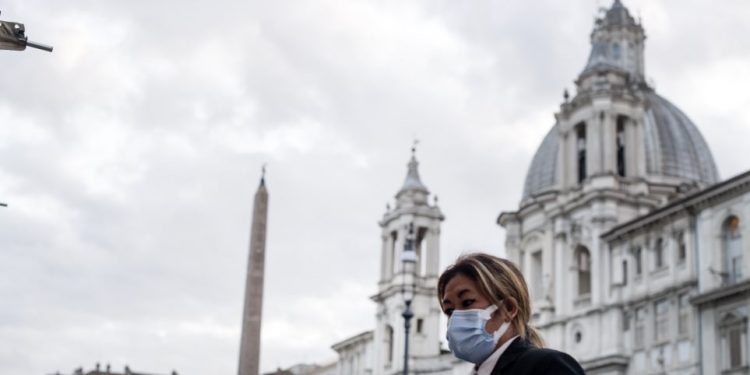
point(487, 303)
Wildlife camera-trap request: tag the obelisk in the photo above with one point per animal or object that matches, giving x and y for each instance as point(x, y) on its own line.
point(251, 316)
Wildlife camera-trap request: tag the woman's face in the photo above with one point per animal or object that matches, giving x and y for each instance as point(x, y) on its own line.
point(461, 293)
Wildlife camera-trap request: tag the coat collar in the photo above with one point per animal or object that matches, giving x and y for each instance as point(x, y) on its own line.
point(515, 350)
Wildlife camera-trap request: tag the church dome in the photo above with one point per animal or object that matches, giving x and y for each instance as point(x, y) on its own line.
point(674, 147)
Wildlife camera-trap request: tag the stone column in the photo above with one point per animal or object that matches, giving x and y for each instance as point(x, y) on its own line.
point(433, 247)
point(561, 272)
point(631, 149)
point(562, 158)
point(594, 146)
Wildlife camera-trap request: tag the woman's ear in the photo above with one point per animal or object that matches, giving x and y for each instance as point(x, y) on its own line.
point(510, 309)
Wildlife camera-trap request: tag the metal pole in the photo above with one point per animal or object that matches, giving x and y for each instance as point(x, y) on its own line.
point(40, 46)
point(407, 318)
point(408, 259)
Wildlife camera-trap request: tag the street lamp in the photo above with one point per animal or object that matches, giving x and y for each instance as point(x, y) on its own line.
point(408, 261)
point(13, 38)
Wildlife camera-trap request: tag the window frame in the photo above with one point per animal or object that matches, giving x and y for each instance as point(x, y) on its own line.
point(731, 250)
point(733, 323)
point(580, 252)
point(662, 320)
point(639, 327)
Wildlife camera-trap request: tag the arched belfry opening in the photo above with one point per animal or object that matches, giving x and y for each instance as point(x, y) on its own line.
point(581, 151)
point(620, 144)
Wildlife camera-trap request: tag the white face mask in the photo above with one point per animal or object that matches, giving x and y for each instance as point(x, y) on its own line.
point(467, 337)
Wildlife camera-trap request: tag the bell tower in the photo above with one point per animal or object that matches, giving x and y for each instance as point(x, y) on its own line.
point(415, 223)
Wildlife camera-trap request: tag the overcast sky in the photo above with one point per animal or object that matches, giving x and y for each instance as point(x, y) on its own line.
point(129, 157)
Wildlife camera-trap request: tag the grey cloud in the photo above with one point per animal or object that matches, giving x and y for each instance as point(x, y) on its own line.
point(129, 157)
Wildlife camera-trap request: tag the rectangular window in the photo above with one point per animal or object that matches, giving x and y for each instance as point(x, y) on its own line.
point(640, 327)
point(638, 258)
point(536, 275)
point(626, 322)
point(661, 323)
point(624, 272)
point(683, 321)
point(420, 323)
point(584, 271)
point(733, 252)
point(681, 248)
point(389, 343)
point(659, 254)
point(734, 347)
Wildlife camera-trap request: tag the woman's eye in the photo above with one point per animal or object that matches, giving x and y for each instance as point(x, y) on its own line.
point(467, 302)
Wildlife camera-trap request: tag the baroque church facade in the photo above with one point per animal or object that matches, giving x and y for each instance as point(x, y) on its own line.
point(632, 248)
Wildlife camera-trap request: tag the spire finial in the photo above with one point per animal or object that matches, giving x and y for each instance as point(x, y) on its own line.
point(263, 174)
point(414, 147)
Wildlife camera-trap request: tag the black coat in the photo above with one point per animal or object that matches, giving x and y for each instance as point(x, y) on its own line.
point(522, 358)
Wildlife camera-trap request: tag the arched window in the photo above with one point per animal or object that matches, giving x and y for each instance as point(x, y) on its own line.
point(583, 266)
point(581, 151)
point(732, 249)
point(621, 145)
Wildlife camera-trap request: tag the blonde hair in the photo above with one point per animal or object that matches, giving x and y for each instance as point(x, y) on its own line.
point(502, 283)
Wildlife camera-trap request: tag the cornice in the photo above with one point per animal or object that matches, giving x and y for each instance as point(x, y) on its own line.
point(741, 288)
point(432, 212)
point(688, 205)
